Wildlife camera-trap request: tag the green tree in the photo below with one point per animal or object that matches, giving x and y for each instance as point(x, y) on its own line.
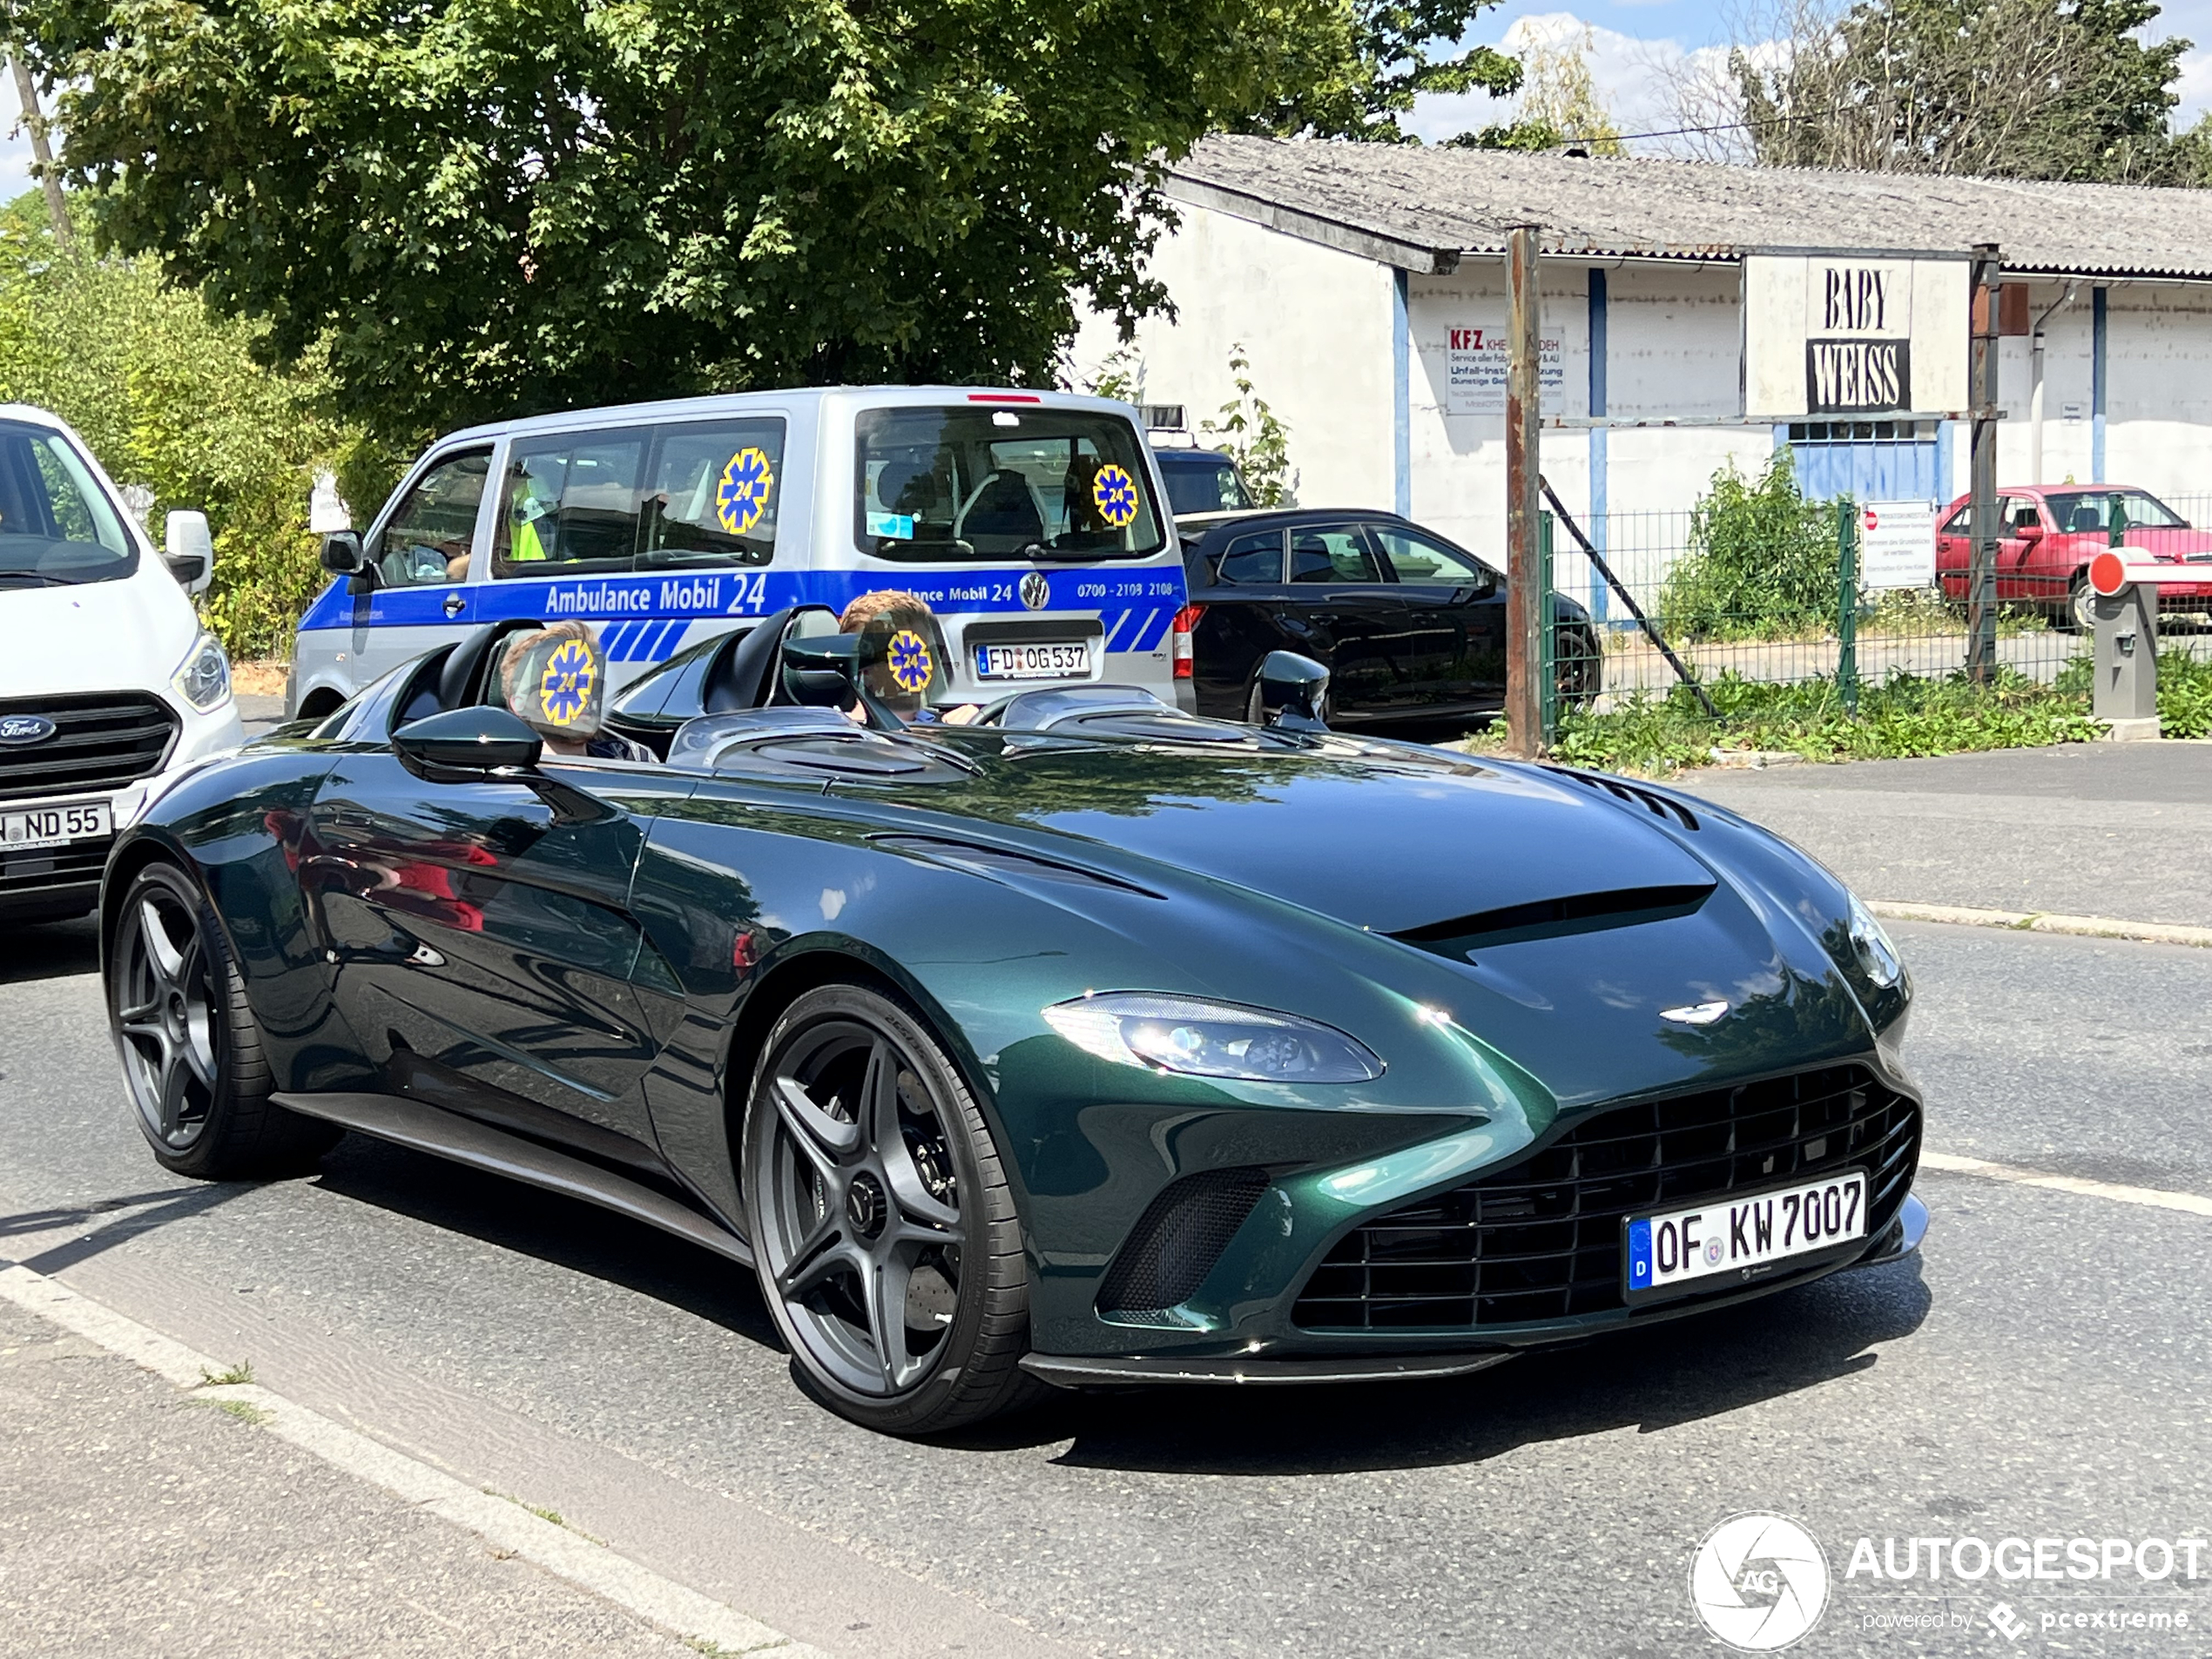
point(172, 401)
point(470, 208)
point(1256, 437)
point(1761, 559)
point(1360, 91)
point(2029, 89)
point(1560, 104)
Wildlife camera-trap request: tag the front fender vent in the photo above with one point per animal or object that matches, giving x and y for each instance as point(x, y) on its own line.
point(1629, 794)
point(1177, 1239)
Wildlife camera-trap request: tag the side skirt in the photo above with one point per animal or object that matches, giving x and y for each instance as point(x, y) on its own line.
point(426, 1129)
point(1073, 1370)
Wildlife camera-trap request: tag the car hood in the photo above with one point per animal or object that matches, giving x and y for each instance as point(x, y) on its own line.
point(1385, 846)
point(128, 634)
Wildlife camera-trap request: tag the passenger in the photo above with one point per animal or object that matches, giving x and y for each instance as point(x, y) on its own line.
point(912, 641)
point(555, 680)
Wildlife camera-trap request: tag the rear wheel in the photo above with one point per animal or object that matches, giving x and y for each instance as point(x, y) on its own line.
point(2080, 605)
point(191, 1051)
point(888, 1245)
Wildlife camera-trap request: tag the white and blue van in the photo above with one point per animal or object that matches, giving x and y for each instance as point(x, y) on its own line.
point(1035, 524)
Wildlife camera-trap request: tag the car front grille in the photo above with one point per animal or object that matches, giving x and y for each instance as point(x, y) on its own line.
point(101, 742)
point(1541, 1239)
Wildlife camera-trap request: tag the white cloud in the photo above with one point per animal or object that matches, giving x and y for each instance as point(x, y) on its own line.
point(1634, 76)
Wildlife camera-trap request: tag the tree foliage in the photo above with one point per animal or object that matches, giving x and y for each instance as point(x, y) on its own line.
point(171, 402)
point(1560, 104)
point(475, 206)
point(1256, 437)
point(1387, 63)
point(1761, 559)
point(2030, 88)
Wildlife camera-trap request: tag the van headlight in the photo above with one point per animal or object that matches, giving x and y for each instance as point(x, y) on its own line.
point(1198, 1038)
point(203, 679)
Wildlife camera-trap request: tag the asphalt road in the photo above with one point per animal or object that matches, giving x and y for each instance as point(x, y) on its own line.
point(2042, 1372)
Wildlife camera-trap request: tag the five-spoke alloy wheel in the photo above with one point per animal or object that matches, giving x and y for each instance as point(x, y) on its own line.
point(191, 1051)
point(887, 1244)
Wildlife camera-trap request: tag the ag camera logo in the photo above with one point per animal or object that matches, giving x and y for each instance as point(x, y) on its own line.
point(1759, 1581)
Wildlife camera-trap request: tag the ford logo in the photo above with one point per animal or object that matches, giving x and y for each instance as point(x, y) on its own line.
point(25, 728)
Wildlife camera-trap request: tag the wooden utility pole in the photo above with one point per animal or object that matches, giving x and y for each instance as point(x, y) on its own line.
point(34, 122)
point(1981, 393)
point(1526, 601)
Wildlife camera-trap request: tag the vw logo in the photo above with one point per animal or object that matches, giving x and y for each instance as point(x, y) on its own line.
point(25, 728)
point(1037, 592)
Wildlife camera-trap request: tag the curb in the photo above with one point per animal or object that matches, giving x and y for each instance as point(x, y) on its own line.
point(2034, 921)
point(699, 1619)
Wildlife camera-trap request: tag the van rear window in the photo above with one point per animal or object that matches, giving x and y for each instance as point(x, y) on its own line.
point(983, 482)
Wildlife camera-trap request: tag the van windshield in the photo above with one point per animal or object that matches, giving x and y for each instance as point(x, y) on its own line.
point(984, 482)
point(57, 526)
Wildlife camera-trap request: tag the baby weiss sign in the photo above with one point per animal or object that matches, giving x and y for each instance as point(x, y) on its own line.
point(1847, 335)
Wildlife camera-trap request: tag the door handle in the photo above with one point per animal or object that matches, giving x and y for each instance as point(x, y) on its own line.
point(455, 605)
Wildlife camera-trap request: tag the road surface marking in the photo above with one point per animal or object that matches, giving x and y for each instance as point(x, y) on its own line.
point(566, 1555)
point(2187, 1203)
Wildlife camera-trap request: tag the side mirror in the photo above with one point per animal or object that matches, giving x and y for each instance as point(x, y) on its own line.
point(341, 553)
point(1293, 692)
point(2028, 532)
point(188, 549)
point(467, 745)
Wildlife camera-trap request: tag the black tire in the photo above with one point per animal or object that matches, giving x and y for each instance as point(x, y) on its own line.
point(832, 1217)
point(193, 1060)
point(2079, 614)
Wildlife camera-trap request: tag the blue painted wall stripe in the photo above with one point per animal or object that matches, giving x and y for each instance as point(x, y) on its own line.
point(2097, 384)
point(1599, 595)
point(1401, 389)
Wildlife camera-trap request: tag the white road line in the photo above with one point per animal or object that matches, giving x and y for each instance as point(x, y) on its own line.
point(2188, 1204)
point(2036, 921)
point(696, 1618)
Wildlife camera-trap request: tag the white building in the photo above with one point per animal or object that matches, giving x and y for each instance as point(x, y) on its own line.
point(1366, 286)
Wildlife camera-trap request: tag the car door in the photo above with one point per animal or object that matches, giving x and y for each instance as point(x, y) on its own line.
point(2020, 566)
point(1245, 613)
point(417, 594)
point(1456, 619)
point(483, 943)
point(1954, 550)
point(1337, 585)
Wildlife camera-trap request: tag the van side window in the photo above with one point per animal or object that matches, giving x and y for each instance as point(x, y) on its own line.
point(711, 494)
point(426, 541)
point(569, 502)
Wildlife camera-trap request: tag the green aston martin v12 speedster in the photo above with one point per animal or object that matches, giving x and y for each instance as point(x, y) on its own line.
point(1091, 1042)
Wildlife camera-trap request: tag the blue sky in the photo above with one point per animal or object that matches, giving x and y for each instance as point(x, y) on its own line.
point(1636, 41)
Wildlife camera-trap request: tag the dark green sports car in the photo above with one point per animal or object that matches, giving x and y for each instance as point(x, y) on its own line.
point(1091, 1042)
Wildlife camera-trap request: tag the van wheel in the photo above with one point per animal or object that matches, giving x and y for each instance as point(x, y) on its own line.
point(192, 1055)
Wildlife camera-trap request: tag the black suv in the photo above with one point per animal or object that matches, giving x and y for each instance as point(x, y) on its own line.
point(1412, 627)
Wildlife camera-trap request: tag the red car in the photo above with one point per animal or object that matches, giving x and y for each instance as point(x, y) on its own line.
point(2050, 532)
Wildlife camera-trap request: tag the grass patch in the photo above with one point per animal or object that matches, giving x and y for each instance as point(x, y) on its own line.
point(245, 1410)
point(240, 1372)
point(1905, 715)
point(553, 1515)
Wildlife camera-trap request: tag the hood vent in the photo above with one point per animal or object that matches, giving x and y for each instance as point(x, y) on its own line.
point(1581, 913)
point(1674, 811)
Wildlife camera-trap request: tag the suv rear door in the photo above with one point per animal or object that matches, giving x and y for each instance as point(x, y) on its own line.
point(1456, 614)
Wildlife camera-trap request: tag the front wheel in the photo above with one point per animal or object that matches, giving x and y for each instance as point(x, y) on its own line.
point(2080, 605)
point(192, 1050)
point(885, 1237)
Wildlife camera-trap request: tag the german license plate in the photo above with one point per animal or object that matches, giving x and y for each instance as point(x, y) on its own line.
point(1741, 1238)
point(1040, 662)
point(56, 825)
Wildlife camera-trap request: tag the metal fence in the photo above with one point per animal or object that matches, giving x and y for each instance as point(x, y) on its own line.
point(1685, 602)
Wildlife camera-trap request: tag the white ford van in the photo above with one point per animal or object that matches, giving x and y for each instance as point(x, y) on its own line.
point(1034, 523)
point(108, 683)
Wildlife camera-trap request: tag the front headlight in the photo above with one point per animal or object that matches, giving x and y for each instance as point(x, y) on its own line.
point(1877, 956)
point(1198, 1038)
point(203, 679)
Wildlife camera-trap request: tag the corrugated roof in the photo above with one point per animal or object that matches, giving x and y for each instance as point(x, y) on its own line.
point(1464, 200)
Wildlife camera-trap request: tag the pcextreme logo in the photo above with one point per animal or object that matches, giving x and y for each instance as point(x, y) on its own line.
point(1759, 1581)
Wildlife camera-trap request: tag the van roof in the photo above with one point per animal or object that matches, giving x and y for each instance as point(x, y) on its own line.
point(790, 401)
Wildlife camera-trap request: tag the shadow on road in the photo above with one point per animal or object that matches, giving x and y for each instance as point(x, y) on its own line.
point(1656, 1379)
point(1703, 1367)
point(51, 950)
point(564, 1231)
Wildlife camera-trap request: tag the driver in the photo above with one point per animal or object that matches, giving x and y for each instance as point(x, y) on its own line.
point(906, 670)
point(555, 680)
